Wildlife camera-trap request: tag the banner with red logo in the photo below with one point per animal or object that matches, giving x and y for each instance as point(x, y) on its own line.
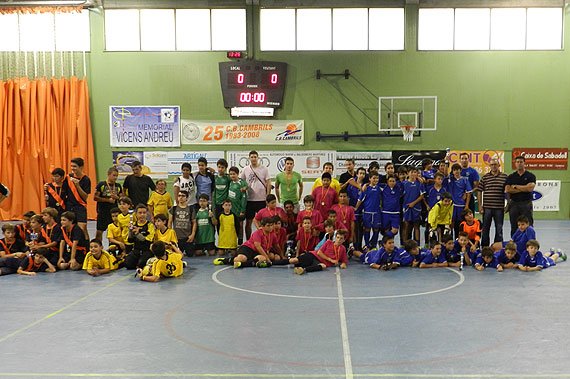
point(479, 159)
point(542, 158)
point(243, 132)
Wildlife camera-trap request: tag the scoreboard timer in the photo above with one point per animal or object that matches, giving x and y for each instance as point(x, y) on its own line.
point(252, 83)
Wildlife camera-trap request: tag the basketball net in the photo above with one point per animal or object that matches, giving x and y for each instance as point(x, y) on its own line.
point(408, 132)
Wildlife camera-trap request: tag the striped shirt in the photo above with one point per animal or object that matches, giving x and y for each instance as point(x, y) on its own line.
point(493, 188)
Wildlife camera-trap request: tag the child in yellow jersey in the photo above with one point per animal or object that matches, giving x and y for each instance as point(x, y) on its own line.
point(98, 261)
point(115, 235)
point(159, 201)
point(125, 220)
point(165, 265)
point(165, 234)
point(228, 229)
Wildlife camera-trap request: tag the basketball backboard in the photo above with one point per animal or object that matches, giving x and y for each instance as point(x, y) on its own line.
point(399, 112)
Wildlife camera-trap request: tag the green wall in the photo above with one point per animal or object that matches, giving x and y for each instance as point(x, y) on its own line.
point(487, 100)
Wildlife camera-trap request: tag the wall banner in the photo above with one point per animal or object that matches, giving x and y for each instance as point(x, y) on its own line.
point(308, 163)
point(139, 126)
point(414, 157)
point(546, 195)
point(243, 132)
point(361, 159)
point(176, 158)
point(542, 158)
point(154, 163)
point(479, 159)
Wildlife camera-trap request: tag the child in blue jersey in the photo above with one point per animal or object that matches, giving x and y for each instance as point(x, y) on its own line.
point(509, 257)
point(460, 190)
point(391, 195)
point(416, 254)
point(534, 260)
point(329, 233)
point(427, 174)
point(524, 233)
point(390, 257)
point(370, 202)
point(434, 257)
point(460, 246)
point(487, 259)
point(413, 195)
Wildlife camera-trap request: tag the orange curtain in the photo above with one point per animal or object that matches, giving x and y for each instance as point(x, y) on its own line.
point(43, 125)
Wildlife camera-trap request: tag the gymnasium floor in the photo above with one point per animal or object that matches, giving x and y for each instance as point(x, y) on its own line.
point(217, 322)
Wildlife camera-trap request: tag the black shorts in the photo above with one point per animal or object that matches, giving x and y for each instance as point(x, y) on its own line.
point(103, 221)
point(204, 246)
point(79, 256)
point(248, 252)
point(253, 207)
point(80, 213)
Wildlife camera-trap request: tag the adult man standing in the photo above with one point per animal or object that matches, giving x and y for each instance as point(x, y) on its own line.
point(471, 174)
point(289, 184)
point(520, 185)
point(137, 185)
point(258, 187)
point(349, 174)
point(492, 202)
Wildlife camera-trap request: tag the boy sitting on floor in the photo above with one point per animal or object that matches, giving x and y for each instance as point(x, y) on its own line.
point(165, 265)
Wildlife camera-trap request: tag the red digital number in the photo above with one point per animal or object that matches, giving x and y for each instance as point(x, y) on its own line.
point(273, 79)
point(240, 78)
point(249, 97)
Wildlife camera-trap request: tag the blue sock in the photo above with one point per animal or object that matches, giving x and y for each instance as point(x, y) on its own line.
point(367, 238)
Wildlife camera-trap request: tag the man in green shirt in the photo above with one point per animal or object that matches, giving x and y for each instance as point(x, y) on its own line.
point(237, 193)
point(221, 185)
point(289, 184)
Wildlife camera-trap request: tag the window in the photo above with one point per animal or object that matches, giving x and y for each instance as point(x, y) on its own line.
point(193, 29)
point(490, 29)
point(10, 40)
point(72, 31)
point(228, 29)
point(157, 29)
point(122, 31)
point(325, 29)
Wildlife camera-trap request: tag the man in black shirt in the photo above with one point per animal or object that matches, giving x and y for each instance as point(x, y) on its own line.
point(519, 186)
point(349, 174)
point(137, 185)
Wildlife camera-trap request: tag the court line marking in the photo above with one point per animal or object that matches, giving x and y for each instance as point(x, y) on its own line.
point(31, 325)
point(208, 375)
point(458, 283)
point(343, 328)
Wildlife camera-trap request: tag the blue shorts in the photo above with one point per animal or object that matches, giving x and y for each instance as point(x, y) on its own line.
point(457, 210)
point(371, 220)
point(412, 214)
point(390, 220)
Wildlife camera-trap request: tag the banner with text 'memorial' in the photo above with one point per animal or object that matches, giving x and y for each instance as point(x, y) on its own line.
point(140, 126)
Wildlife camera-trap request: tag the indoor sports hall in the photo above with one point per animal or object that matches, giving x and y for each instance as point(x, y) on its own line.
point(476, 84)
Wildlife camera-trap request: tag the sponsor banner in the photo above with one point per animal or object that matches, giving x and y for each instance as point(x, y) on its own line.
point(362, 159)
point(414, 157)
point(308, 163)
point(136, 126)
point(176, 158)
point(154, 163)
point(243, 132)
point(546, 195)
point(542, 158)
point(479, 159)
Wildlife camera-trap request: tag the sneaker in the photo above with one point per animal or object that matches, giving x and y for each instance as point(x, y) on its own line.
point(237, 264)
point(299, 270)
point(262, 264)
point(185, 264)
point(219, 261)
point(562, 255)
point(138, 272)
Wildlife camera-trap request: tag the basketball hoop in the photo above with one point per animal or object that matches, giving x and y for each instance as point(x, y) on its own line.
point(408, 132)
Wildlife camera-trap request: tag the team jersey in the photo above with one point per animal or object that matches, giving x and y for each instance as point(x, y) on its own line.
point(125, 221)
point(291, 223)
point(187, 185)
point(345, 215)
point(227, 234)
point(306, 241)
point(221, 189)
point(288, 187)
point(316, 218)
point(169, 268)
point(73, 198)
point(433, 195)
point(481, 262)
point(332, 251)
point(391, 199)
point(54, 234)
point(335, 184)
point(161, 203)
point(115, 232)
point(266, 240)
point(412, 190)
point(326, 238)
point(453, 255)
point(105, 261)
point(204, 183)
point(521, 238)
point(29, 264)
point(458, 188)
point(147, 230)
point(429, 258)
point(383, 257)
point(105, 190)
point(325, 198)
point(55, 197)
point(370, 199)
point(206, 231)
point(237, 196)
point(538, 260)
point(280, 237)
point(75, 234)
point(353, 195)
point(440, 214)
point(503, 259)
point(18, 246)
point(168, 236)
point(473, 231)
point(471, 174)
point(266, 212)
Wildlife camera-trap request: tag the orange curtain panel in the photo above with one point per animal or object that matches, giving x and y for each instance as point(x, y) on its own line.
point(43, 125)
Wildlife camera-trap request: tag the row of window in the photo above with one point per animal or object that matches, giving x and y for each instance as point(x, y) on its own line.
point(322, 29)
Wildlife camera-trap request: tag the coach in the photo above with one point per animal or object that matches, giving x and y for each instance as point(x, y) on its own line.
point(520, 185)
point(492, 202)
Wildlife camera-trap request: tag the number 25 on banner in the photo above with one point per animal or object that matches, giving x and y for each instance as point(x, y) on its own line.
point(212, 133)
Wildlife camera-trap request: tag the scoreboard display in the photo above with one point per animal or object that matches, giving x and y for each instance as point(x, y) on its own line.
point(252, 83)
